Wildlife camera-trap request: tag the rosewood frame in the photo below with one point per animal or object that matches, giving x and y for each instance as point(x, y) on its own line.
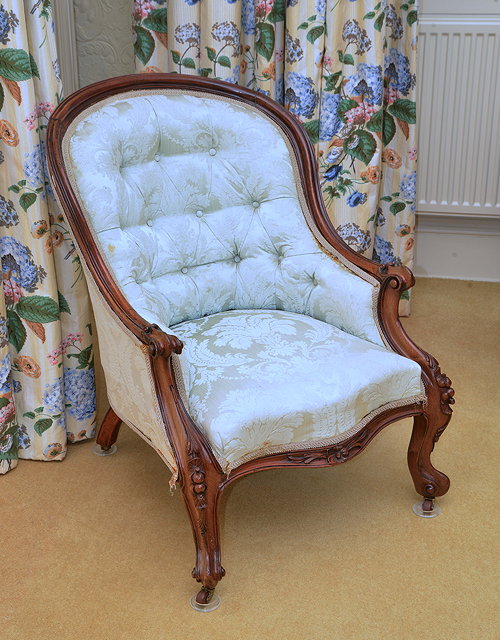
point(200, 475)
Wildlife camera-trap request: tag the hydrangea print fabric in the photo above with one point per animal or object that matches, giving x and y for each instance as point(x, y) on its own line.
point(47, 393)
point(344, 68)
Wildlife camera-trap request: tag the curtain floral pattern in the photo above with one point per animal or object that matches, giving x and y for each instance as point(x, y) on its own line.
point(344, 68)
point(47, 394)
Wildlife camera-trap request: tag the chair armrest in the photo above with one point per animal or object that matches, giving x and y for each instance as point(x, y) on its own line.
point(161, 343)
point(361, 302)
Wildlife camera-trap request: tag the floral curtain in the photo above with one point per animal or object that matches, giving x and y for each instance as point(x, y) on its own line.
point(344, 68)
point(47, 393)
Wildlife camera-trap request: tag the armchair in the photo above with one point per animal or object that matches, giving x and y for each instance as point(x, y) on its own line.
point(237, 331)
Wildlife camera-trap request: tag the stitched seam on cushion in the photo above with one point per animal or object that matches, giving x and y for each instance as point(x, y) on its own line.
point(198, 293)
point(326, 442)
point(204, 264)
point(266, 231)
point(247, 233)
point(131, 182)
point(217, 240)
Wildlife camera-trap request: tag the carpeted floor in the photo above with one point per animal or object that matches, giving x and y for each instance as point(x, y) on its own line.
point(97, 548)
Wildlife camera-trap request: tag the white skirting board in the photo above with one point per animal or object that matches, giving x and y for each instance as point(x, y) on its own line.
point(457, 247)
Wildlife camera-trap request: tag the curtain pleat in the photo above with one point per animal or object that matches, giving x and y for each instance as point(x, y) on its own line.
point(47, 394)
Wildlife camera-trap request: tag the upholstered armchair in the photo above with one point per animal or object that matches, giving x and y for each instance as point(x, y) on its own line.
point(237, 331)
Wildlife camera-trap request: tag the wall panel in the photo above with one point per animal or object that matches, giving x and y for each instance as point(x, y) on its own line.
point(104, 38)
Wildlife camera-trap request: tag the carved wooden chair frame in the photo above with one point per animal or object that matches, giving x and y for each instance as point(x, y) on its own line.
point(200, 475)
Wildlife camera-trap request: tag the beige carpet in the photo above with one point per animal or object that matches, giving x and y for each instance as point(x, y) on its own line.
point(97, 548)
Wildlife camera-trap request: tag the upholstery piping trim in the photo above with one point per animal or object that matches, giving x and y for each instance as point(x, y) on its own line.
point(421, 398)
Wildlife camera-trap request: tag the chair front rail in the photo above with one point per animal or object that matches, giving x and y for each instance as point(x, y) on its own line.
point(331, 455)
point(200, 474)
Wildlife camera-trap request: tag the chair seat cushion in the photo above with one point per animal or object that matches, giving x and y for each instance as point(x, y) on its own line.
point(260, 382)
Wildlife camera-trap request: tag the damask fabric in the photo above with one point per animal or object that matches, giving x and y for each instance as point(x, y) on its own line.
point(195, 205)
point(262, 381)
point(344, 68)
point(47, 393)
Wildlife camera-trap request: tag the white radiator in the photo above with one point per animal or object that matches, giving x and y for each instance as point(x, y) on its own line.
point(459, 118)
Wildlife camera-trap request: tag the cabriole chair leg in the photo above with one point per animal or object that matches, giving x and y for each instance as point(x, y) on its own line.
point(208, 569)
point(202, 493)
point(108, 433)
point(429, 482)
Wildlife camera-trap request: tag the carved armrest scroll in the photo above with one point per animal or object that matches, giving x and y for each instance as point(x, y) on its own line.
point(160, 344)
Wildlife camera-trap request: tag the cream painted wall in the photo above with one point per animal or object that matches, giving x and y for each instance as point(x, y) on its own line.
point(94, 40)
point(460, 7)
point(104, 38)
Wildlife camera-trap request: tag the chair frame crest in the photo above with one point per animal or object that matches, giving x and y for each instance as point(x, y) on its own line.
point(200, 475)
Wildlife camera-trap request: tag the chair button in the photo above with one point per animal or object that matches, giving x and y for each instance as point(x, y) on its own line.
point(149, 222)
point(157, 157)
point(255, 204)
point(212, 151)
point(199, 214)
point(184, 270)
point(237, 259)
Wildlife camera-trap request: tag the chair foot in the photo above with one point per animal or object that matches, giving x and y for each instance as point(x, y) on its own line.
point(429, 482)
point(98, 450)
point(108, 433)
point(426, 509)
point(205, 600)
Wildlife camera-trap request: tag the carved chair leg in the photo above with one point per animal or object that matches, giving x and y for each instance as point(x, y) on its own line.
point(108, 433)
point(429, 482)
point(202, 494)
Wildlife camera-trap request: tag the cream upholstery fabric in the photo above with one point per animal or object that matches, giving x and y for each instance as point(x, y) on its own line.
point(197, 208)
point(259, 380)
point(195, 204)
point(129, 381)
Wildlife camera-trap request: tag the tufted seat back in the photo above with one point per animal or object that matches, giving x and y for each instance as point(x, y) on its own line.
point(194, 202)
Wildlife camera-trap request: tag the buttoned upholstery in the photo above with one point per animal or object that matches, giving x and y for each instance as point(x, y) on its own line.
point(196, 205)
